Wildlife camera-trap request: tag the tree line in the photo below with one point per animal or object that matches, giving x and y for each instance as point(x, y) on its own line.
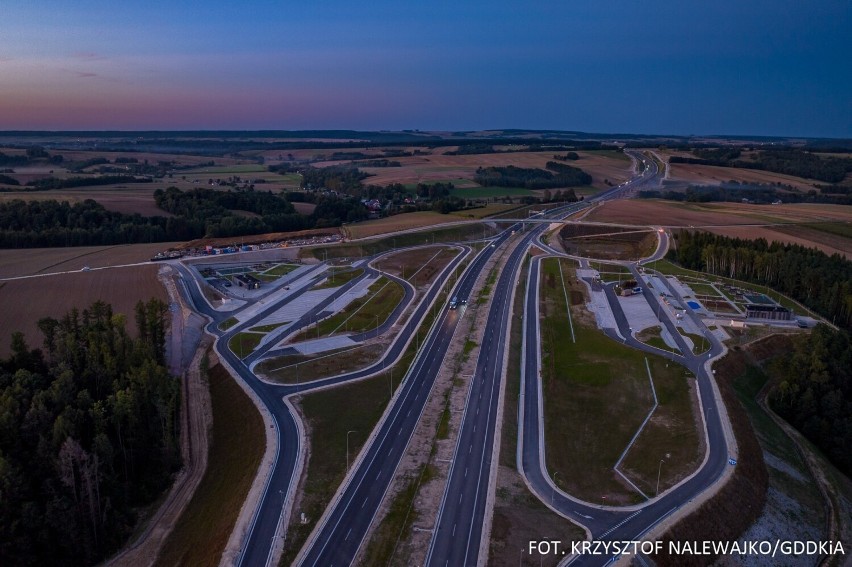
point(532, 178)
point(811, 277)
point(814, 392)
point(88, 434)
point(197, 213)
point(787, 161)
point(733, 191)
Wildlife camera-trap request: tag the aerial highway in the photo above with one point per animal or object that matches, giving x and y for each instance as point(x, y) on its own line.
point(265, 520)
point(338, 537)
point(463, 504)
point(340, 534)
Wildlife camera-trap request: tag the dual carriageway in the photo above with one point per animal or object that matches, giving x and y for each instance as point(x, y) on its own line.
point(459, 536)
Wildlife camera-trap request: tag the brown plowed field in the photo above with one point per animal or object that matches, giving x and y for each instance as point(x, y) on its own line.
point(733, 219)
point(440, 167)
point(24, 302)
point(126, 198)
point(714, 175)
point(32, 261)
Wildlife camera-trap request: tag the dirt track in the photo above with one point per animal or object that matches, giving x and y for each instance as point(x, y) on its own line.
point(196, 421)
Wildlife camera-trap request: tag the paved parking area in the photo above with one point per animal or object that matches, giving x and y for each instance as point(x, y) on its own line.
point(600, 307)
point(639, 314)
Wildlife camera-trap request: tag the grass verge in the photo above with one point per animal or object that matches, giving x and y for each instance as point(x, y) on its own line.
point(518, 515)
point(267, 328)
point(652, 337)
point(339, 276)
point(236, 448)
point(331, 414)
point(362, 314)
point(280, 270)
point(729, 512)
point(598, 377)
point(242, 344)
point(228, 323)
point(399, 519)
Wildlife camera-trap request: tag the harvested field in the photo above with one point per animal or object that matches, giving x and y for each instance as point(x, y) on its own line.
point(397, 223)
point(128, 198)
point(715, 175)
point(791, 235)
point(32, 261)
point(257, 238)
point(24, 302)
point(671, 213)
point(486, 211)
point(441, 167)
point(607, 242)
point(774, 223)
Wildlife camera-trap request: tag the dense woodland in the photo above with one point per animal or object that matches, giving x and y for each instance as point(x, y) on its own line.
point(788, 161)
point(197, 213)
point(821, 282)
point(733, 191)
point(31, 224)
point(533, 178)
point(88, 434)
point(814, 392)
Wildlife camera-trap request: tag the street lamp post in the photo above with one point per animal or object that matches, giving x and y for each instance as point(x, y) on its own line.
point(659, 470)
point(347, 448)
point(553, 492)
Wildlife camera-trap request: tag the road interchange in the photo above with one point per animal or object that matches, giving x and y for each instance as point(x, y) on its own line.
point(340, 533)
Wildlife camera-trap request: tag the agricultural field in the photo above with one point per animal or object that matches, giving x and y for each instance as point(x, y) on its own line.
point(601, 165)
point(488, 210)
point(127, 198)
point(607, 242)
point(493, 192)
point(33, 261)
point(396, 223)
point(825, 227)
point(699, 174)
point(23, 302)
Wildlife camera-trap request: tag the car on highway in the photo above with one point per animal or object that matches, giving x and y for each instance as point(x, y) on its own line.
point(454, 303)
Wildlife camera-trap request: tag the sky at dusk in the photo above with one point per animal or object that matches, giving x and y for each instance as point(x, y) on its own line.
point(761, 67)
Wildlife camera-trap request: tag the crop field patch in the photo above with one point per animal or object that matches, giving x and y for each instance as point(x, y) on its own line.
point(606, 242)
point(31, 261)
point(127, 198)
point(24, 302)
point(603, 166)
point(396, 223)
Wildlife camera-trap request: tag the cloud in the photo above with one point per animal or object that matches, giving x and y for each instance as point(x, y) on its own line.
point(5, 59)
point(87, 56)
point(81, 74)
